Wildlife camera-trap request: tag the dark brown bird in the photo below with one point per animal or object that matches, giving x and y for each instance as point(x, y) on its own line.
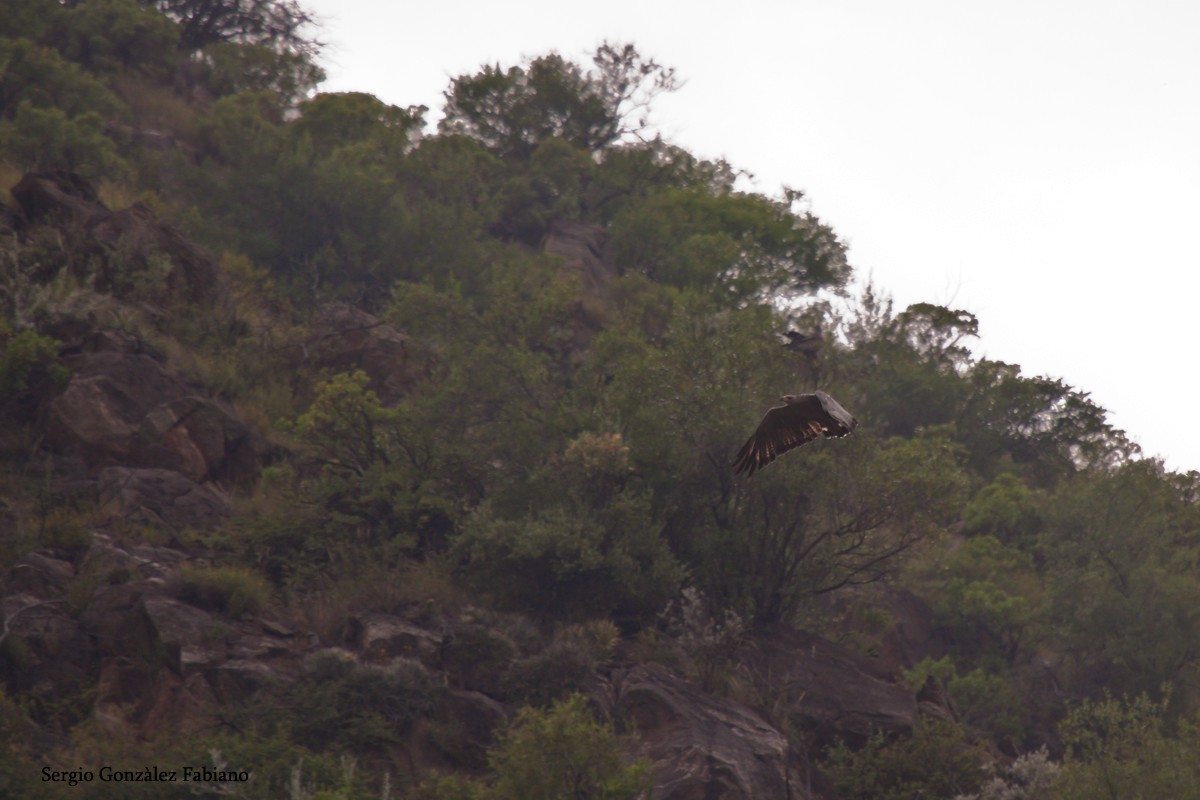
point(798, 421)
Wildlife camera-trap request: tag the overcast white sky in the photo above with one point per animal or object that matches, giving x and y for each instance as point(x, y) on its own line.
point(1036, 163)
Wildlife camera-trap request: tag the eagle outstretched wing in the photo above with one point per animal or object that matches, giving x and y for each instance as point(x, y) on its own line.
point(798, 421)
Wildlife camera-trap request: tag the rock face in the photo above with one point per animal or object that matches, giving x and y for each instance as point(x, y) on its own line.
point(135, 235)
point(701, 746)
point(58, 196)
point(162, 497)
point(583, 250)
point(910, 637)
point(163, 451)
point(347, 338)
point(383, 637)
point(155, 660)
point(159, 450)
point(137, 231)
point(582, 247)
point(836, 693)
point(163, 665)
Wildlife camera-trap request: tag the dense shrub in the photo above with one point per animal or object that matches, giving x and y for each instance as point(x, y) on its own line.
point(230, 590)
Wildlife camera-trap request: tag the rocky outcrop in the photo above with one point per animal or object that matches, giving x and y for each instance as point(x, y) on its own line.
point(124, 243)
point(699, 745)
point(56, 655)
point(702, 746)
point(163, 665)
point(157, 659)
point(40, 575)
point(162, 498)
point(583, 248)
point(909, 636)
point(157, 449)
point(162, 451)
point(379, 638)
point(346, 338)
point(126, 409)
point(141, 236)
point(834, 692)
point(58, 197)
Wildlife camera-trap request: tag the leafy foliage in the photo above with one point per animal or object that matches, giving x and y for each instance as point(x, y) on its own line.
point(355, 706)
point(29, 365)
point(1005, 509)
point(253, 22)
point(111, 36)
point(230, 590)
point(593, 547)
point(1127, 599)
point(1030, 777)
point(548, 754)
point(1120, 748)
point(746, 244)
point(934, 760)
point(512, 111)
point(563, 752)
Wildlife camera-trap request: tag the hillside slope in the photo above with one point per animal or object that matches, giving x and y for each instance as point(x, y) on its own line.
point(371, 461)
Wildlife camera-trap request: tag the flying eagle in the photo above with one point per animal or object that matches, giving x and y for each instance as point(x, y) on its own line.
point(798, 421)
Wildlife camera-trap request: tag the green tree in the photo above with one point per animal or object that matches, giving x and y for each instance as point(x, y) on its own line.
point(822, 519)
point(551, 754)
point(281, 24)
point(630, 172)
point(357, 706)
point(369, 487)
point(1030, 777)
point(547, 188)
point(934, 761)
point(839, 516)
point(29, 19)
point(29, 366)
point(564, 752)
point(230, 68)
point(344, 200)
point(510, 111)
point(335, 120)
point(740, 246)
point(1121, 550)
point(910, 365)
point(987, 596)
point(31, 73)
point(1123, 750)
point(441, 216)
point(46, 138)
point(1005, 509)
point(988, 703)
point(1042, 424)
point(915, 372)
point(503, 361)
point(110, 36)
point(586, 545)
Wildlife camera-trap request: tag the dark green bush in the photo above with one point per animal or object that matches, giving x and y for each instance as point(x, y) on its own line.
point(230, 590)
point(935, 760)
point(346, 705)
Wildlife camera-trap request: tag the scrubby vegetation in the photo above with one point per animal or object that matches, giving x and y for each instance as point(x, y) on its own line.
point(558, 463)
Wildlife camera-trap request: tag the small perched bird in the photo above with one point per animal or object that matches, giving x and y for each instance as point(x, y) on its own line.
point(798, 421)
